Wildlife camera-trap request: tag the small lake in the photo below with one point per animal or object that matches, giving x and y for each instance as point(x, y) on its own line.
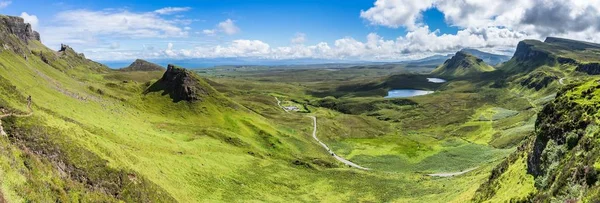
point(436, 80)
point(404, 93)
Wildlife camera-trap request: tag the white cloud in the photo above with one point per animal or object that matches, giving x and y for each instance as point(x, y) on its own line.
point(396, 13)
point(228, 27)
point(533, 17)
point(31, 19)
point(89, 27)
point(114, 45)
point(299, 38)
point(495, 26)
point(169, 51)
point(172, 10)
point(212, 32)
point(4, 4)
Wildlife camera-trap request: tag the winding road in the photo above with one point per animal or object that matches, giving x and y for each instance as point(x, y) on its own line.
point(279, 104)
point(561, 81)
point(349, 163)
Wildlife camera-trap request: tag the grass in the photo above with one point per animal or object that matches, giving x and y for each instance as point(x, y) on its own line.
point(96, 136)
point(514, 184)
point(193, 152)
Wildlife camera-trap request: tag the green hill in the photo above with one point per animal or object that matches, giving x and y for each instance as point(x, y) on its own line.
point(462, 64)
point(142, 65)
point(102, 135)
point(99, 135)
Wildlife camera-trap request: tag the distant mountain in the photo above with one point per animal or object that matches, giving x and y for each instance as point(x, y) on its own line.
point(462, 64)
point(489, 58)
point(435, 60)
point(142, 65)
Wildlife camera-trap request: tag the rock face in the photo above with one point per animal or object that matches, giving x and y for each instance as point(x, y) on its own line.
point(142, 65)
point(181, 85)
point(526, 52)
point(17, 26)
point(589, 68)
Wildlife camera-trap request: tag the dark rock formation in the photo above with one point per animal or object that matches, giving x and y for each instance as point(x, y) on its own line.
point(555, 121)
point(563, 60)
point(142, 65)
point(589, 68)
point(526, 52)
point(538, 80)
point(17, 26)
point(181, 85)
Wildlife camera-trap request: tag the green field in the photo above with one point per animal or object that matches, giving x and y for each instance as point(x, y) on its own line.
point(218, 135)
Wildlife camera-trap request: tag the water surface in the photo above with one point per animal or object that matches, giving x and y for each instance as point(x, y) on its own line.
point(404, 93)
point(436, 80)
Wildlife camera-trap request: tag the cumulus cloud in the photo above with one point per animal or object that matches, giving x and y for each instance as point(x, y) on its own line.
point(172, 10)
point(4, 4)
point(31, 19)
point(396, 13)
point(533, 17)
point(494, 26)
point(299, 38)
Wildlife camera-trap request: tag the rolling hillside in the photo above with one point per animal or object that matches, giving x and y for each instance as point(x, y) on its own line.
point(98, 134)
point(462, 64)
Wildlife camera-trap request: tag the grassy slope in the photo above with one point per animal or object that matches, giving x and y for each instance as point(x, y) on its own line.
point(415, 136)
point(566, 125)
point(194, 152)
point(462, 64)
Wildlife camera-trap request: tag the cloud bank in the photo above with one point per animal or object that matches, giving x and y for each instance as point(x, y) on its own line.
point(494, 26)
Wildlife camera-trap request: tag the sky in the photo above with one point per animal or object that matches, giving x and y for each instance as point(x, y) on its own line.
point(357, 30)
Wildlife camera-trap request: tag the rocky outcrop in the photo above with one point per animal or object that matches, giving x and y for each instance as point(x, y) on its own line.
point(538, 80)
point(589, 68)
point(142, 65)
point(526, 51)
point(563, 60)
point(181, 85)
point(17, 26)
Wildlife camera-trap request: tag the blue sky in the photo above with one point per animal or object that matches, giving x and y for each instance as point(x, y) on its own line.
point(374, 30)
